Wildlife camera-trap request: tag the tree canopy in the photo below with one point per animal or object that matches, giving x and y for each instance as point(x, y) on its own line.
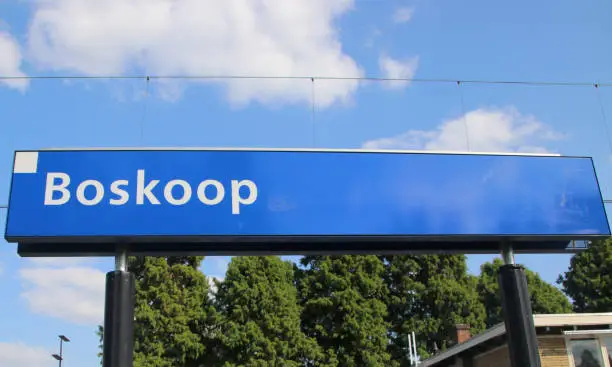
point(332, 311)
point(173, 314)
point(261, 316)
point(344, 309)
point(588, 281)
point(430, 295)
point(545, 297)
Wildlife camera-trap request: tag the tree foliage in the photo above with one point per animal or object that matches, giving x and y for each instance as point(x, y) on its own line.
point(174, 317)
point(261, 316)
point(429, 295)
point(344, 309)
point(332, 310)
point(588, 281)
point(545, 298)
point(174, 320)
point(100, 335)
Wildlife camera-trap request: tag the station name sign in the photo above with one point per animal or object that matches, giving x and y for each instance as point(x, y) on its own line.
point(174, 192)
point(73, 202)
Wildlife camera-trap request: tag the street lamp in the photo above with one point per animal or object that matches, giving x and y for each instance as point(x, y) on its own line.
point(59, 357)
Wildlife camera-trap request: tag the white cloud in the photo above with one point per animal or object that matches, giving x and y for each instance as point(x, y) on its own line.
point(490, 130)
point(10, 62)
point(214, 267)
point(21, 355)
point(75, 294)
point(397, 69)
point(201, 37)
point(212, 286)
point(403, 15)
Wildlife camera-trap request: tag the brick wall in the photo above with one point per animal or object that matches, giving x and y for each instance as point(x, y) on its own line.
point(553, 352)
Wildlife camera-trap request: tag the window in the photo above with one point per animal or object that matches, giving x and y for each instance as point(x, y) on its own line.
point(608, 342)
point(586, 353)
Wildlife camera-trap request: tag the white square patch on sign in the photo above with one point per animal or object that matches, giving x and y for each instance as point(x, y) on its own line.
point(26, 162)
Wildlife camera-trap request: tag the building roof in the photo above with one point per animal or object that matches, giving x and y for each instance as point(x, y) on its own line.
point(548, 320)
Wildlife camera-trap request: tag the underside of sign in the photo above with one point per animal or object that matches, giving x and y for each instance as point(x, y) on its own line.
point(86, 202)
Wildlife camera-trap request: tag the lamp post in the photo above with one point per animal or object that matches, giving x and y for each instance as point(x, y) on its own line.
point(60, 357)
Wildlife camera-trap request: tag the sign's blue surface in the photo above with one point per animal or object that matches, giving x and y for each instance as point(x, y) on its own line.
point(198, 193)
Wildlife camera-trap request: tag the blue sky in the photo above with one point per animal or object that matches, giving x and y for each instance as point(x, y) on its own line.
point(542, 41)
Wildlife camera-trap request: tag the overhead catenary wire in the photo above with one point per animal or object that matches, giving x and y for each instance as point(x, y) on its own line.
point(311, 77)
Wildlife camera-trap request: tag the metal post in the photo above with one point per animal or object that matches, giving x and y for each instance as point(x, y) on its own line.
point(508, 254)
point(61, 353)
point(118, 342)
point(410, 350)
point(121, 260)
point(414, 350)
point(518, 316)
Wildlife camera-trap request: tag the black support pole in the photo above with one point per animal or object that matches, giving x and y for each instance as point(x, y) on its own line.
point(118, 348)
point(518, 316)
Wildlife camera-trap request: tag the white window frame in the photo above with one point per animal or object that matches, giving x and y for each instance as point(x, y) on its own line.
point(597, 335)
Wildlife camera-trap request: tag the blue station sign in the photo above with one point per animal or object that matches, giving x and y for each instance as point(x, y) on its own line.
point(285, 201)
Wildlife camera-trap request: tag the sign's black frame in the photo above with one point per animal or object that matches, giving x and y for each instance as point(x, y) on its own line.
point(241, 246)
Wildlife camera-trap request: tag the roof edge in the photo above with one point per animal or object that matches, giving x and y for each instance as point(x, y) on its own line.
point(493, 332)
point(540, 320)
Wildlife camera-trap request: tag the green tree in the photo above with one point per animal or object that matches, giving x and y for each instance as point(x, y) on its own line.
point(100, 334)
point(545, 298)
point(261, 316)
point(174, 317)
point(344, 309)
point(429, 295)
point(588, 281)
